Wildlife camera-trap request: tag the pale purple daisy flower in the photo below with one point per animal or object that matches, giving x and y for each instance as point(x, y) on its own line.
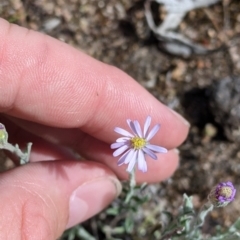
point(222, 194)
point(133, 146)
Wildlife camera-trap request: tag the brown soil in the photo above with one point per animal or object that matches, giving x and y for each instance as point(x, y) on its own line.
point(116, 33)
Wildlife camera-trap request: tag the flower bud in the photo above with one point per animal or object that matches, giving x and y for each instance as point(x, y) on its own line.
point(3, 135)
point(222, 194)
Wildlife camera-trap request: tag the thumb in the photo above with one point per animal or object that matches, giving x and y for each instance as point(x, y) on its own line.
point(43, 199)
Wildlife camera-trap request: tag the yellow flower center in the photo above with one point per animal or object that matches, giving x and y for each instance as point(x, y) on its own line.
point(138, 143)
point(225, 192)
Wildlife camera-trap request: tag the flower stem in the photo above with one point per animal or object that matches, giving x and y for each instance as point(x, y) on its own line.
point(132, 185)
point(198, 221)
point(24, 156)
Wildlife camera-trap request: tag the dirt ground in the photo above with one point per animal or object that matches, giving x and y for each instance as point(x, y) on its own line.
point(116, 33)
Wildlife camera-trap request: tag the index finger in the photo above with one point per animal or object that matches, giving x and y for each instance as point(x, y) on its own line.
point(49, 82)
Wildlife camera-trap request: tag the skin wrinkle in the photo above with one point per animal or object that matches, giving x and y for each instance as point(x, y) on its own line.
point(59, 118)
point(25, 225)
point(5, 109)
point(130, 94)
point(95, 172)
point(35, 194)
point(104, 91)
point(52, 86)
point(24, 68)
point(36, 64)
point(135, 102)
point(88, 97)
point(75, 104)
point(41, 70)
point(120, 94)
point(4, 43)
point(18, 184)
point(22, 222)
point(21, 216)
point(9, 227)
point(99, 98)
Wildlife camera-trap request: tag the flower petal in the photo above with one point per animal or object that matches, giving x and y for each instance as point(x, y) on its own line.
point(120, 150)
point(123, 139)
point(153, 132)
point(117, 145)
point(146, 126)
point(132, 126)
point(150, 153)
point(132, 154)
point(138, 128)
point(156, 148)
point(128, 122)
point(131, 164)
point(142, 165)
point(123, 132)
point(122, 159)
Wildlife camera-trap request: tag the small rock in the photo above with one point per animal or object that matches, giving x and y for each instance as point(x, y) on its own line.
point(210, 131)
point(17, 4)
point(51, 23)
point(179, 70)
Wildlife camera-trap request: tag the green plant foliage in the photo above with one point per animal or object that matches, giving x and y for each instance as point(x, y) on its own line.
point(186, 225)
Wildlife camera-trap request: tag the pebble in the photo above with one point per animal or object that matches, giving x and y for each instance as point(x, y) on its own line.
point(51, 24)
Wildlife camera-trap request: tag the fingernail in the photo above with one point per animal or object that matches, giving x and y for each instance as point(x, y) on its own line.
point(91, 197)
point(180, 117)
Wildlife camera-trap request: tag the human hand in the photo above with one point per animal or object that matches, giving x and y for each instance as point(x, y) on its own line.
point(54, 95)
